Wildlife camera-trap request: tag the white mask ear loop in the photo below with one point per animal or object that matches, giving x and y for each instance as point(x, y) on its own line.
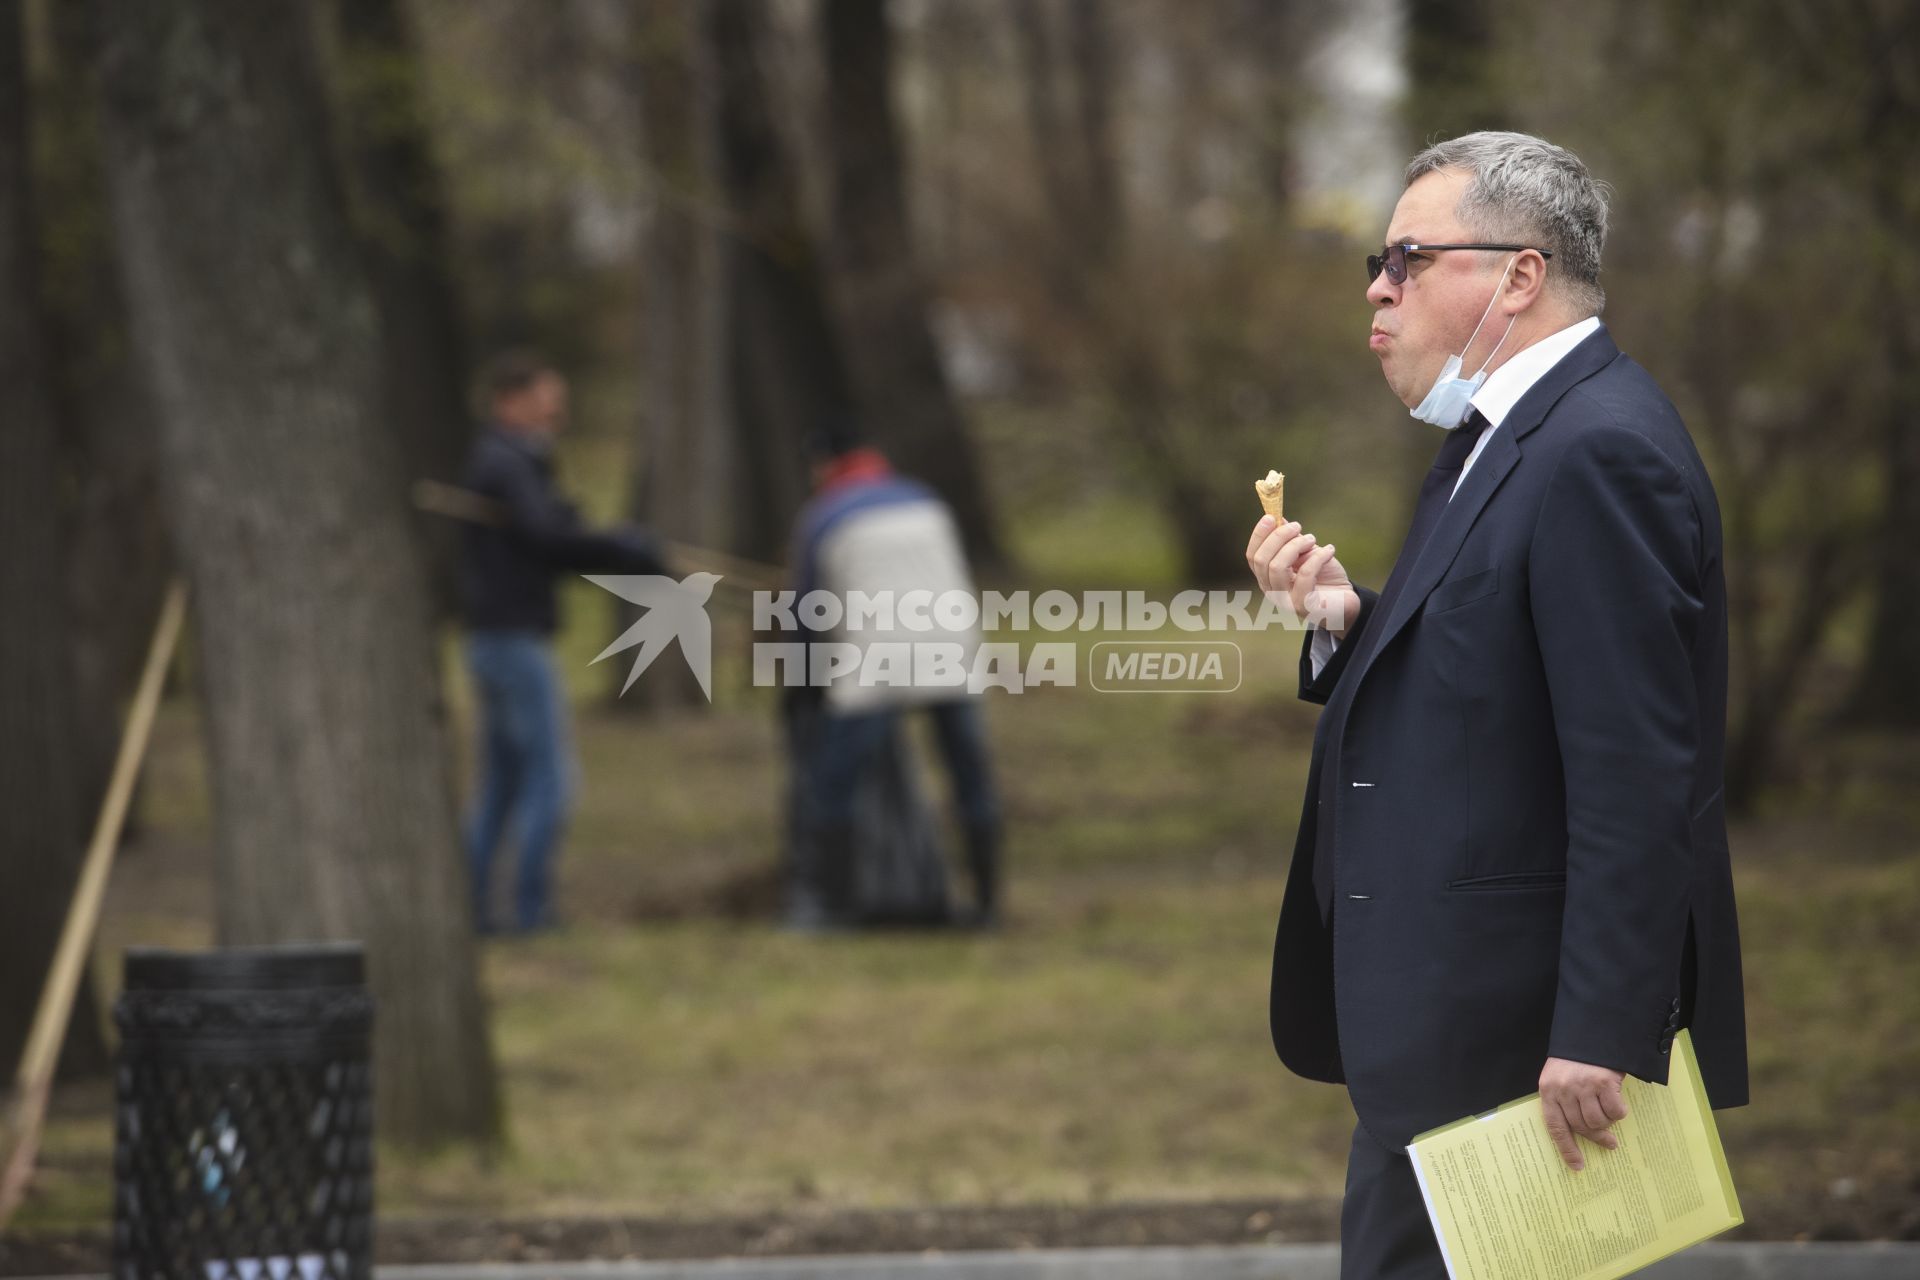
point(1483, 319)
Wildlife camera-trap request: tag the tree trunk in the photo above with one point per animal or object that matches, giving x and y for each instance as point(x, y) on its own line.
point(785, 368)
point(686, 468)
point(334, 812)
point(1768, 695)
point(1091, 281)
point(882, 300)
point(118, 558)
point(40, 801)
point(1451, 58)
point(401, 207)
point(1273, 35)
point(1888, 692)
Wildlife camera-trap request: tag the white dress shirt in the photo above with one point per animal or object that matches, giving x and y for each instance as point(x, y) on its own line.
point(1495, 400)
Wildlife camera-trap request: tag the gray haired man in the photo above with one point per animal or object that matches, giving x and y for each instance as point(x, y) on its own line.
point(1511, 872)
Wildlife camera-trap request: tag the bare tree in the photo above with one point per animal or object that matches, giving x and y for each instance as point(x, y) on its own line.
point(785, 365)
point(1453, 69)
point(876, 279)
point(119, 561)
point(1715, 187)
point(40, 801)
point(401, 210)
point(686, 466)
point(1071, 115)
point(1876, 46)
point(250, 305)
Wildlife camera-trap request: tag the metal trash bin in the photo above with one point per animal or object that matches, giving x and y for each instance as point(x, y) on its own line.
point(243, 1146)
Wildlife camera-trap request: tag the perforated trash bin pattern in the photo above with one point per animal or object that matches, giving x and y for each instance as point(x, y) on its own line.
point(244, 1121)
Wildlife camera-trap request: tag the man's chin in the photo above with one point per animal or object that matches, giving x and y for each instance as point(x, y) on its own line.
point(1401, 393)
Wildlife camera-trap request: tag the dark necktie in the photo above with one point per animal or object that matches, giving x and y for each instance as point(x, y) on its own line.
point(1435, 492)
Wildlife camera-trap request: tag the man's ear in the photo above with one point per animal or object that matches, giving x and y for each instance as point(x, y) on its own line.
point(1525, 280)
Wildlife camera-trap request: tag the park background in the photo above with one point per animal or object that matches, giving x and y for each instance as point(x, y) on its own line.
point(1089, 267)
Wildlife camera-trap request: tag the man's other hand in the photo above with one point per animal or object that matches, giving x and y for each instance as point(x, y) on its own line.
point(1301, 576)
point(1579, 1098)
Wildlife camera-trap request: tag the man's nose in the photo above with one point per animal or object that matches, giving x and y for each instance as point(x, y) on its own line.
point(1383, 292)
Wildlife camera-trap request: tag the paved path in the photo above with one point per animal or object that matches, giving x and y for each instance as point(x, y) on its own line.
point(1744, 1261)
point(1298, 1261)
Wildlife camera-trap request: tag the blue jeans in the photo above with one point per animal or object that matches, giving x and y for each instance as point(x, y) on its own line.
point(526, 770)
point(846, 745)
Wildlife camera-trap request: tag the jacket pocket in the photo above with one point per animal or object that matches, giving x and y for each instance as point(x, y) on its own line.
point(1455, 592)
point(1509, 882)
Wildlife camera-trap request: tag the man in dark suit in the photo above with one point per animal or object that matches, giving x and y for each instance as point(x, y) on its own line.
point(1511, 872)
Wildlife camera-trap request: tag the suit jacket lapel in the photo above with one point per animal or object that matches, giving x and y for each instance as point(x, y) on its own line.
point(1499, 456)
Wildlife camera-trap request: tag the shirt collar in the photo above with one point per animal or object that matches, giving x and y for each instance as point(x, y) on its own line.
point(1505, 385)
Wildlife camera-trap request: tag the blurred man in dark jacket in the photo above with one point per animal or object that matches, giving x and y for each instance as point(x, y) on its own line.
point(508, 572)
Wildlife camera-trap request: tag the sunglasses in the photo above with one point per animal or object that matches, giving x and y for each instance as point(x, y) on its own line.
point(1392, 259)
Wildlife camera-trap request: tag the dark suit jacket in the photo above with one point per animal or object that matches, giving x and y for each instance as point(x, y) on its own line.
point(1531, 839)
point(507, 571)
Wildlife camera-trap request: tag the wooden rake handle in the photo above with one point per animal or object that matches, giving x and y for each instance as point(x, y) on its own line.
point(455, 503)
point(26, 1111)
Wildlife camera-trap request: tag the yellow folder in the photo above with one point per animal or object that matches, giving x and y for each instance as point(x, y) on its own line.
point(1505, 1206)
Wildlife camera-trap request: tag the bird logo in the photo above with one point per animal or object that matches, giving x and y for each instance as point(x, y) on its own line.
point(671, 611)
